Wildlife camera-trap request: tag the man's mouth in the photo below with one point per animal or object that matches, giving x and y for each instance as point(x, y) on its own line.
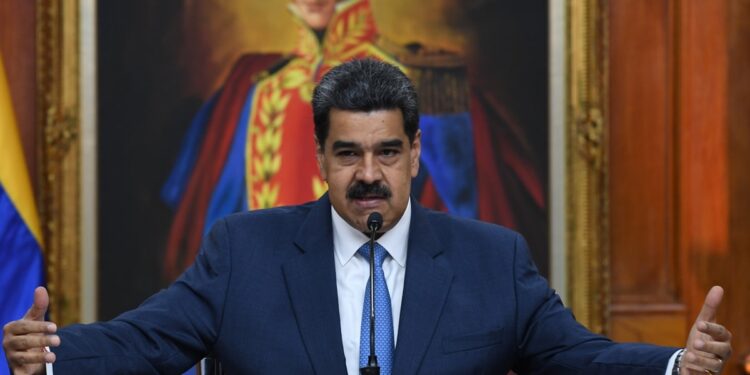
point(370, 198)
point(369, 201)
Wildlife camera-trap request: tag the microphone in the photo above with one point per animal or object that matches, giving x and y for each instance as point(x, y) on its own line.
point(374, 223)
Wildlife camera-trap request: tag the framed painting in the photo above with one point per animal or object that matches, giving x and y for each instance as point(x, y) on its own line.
point(121, 86)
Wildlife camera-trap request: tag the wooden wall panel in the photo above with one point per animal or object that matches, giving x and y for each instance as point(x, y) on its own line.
point(644, 290)
point(702, 105)
point(679, 121)
point(714, 157)
point(736, 275)
point(640, 150)
point(17, 44)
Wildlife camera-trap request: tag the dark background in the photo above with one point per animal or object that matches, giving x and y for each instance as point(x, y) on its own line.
point(142, 116)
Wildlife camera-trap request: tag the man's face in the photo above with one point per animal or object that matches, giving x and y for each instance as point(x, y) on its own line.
point(316, 13)
point(368, 163)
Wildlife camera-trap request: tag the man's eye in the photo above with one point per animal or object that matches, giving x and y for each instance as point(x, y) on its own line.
point(346, 153)
point(389, 152)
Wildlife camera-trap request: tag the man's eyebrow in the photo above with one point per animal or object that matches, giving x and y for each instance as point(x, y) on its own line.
point(392, 143)
point(343, 144)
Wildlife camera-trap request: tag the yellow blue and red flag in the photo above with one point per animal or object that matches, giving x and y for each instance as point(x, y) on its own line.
point(21, 260)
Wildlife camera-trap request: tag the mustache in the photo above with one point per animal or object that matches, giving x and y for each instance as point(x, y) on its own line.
point(362, 190)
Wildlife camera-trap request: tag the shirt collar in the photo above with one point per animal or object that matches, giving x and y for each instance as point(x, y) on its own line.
point(347, 239)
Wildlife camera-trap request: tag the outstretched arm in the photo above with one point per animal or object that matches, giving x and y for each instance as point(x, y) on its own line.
point(168, 333)
point(709, 343)
point(25, 340)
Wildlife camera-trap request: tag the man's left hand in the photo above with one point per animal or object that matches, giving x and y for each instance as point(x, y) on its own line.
point(709, 343)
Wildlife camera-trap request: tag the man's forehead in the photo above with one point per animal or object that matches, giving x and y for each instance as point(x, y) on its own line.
point(358, 122)
point(366, 127)
point(352, 113)
point(362, 128)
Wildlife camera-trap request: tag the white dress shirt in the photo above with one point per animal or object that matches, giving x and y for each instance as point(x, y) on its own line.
point(353, 271)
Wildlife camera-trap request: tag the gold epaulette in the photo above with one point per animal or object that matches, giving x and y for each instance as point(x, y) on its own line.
point(265, 73)
point(439, 76)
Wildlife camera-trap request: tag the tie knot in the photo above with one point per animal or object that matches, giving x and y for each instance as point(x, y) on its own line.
point(380, 253)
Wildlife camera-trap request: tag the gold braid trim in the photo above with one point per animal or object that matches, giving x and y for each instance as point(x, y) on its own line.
point(265, 132)
point(266, 159)
point(345, 34)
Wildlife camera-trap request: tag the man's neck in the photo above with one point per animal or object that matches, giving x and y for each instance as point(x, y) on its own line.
point(348, 238)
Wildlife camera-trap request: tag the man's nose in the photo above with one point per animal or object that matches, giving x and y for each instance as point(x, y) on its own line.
point(369, 170)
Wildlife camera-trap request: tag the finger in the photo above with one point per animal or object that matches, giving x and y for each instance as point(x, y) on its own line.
point(25, 327)
point(16, 359)
point(700, 363)
point(717, 331)
point(711, 304)
point(695, 370)
point(39, 307)
point(712, 348)
point(27, 342)
point(689, 366)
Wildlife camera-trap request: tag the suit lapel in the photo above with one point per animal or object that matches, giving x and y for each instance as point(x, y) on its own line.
point(311, 282)
point(426, 285)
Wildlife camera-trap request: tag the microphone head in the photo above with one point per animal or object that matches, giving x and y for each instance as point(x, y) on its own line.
point(374, 221)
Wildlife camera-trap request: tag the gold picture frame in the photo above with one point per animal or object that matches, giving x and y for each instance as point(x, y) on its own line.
point(587, 164)
point(58, 121)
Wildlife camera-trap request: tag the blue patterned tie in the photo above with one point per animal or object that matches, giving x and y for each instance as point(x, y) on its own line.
point(383, 315)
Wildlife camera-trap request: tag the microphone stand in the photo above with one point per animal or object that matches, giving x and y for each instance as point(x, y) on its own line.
point(374, 221)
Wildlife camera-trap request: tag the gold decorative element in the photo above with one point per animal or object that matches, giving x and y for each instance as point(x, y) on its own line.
point(589, 136)
point(57, 100)
point(319, 186)
point(308, 47)
point(298, 76)
point(60, 132)
point(586, 138)
point(345, 34)
point(440, 23)
point(439, 76)
point(267, 131)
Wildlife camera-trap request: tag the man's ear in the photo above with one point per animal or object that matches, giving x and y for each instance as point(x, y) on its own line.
point(320, 157)
point(415, 152)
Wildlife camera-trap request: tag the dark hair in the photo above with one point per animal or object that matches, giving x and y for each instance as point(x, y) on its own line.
point(364, 86)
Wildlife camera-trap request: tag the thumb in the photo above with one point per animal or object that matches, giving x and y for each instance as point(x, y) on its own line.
point(39, 307)
point(711, 305)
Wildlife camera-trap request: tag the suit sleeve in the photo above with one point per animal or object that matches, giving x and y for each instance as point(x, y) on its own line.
point(550, 341)
point(168, 333)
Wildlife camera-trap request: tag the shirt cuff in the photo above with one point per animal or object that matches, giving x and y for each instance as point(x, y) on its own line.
point(48, 366)
point(671, 364)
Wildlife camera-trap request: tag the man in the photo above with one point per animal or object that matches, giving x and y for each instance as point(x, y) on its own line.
point(281, 291)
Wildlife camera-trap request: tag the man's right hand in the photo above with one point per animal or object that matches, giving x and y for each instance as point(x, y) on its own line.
point(25, 340)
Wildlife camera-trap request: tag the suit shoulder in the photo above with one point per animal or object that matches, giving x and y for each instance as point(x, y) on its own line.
point(283, 215)
point(483, 235)
point(470, 227)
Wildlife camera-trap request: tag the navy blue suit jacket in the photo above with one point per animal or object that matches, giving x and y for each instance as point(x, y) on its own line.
point(261, 297)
